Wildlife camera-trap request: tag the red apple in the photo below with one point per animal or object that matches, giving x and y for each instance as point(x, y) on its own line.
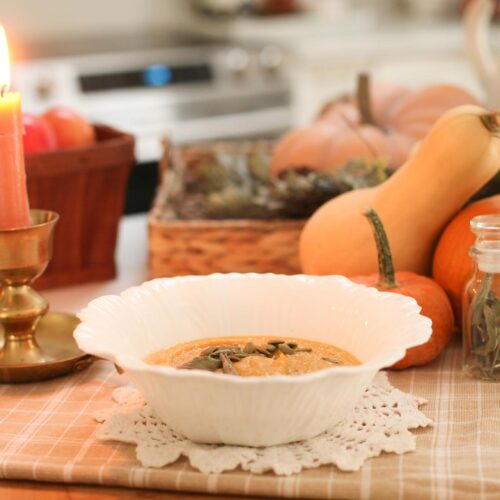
point(38, 135)
point(71, 129)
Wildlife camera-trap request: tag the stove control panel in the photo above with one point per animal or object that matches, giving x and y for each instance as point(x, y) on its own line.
point(192, 93)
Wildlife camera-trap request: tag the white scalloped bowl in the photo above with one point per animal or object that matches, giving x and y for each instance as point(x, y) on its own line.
point(210, 407)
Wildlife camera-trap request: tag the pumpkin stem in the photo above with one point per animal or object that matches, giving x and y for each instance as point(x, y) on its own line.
point(387, 276)
point(492, 122)
point(364, 100)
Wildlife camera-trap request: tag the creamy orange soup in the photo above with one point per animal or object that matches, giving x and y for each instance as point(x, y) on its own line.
point(253, 355)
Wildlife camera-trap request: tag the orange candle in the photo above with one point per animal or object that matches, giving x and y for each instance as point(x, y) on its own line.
point(14, 206)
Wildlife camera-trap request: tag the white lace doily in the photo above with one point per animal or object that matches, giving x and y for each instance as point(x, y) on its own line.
point(379, 423)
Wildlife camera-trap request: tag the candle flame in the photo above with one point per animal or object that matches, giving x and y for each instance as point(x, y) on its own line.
point(4, 62)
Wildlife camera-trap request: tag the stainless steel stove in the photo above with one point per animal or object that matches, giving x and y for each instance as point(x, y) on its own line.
point(192, 92)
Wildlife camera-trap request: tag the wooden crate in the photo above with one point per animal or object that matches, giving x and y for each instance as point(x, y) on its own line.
point(181, 247)
point(86, 187)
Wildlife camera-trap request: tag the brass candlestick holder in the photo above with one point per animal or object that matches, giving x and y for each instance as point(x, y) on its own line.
point(36, 345)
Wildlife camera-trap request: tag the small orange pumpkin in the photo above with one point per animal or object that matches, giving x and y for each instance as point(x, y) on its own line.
point(428, 294)
point(452, 265)
point(381, 120)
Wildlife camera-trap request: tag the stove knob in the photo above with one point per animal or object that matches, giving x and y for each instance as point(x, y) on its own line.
point(45, 88)
point(237, 61)
point(271, 58)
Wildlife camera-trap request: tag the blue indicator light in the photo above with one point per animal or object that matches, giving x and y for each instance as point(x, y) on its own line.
point(157, 75)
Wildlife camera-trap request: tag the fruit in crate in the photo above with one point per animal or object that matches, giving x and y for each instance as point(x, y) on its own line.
point(428, 294)
point(58, 128)
point(38, 135)
point(71, 128)
point(381, 120)
point(452, 265)
point(460, 154)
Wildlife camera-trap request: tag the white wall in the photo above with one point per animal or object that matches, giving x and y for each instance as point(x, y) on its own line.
point(28, 20)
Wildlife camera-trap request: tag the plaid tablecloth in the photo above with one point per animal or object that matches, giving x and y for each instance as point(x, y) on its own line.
point(47, 434)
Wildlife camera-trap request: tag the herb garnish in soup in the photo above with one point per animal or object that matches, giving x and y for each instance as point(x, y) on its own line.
point(253, 356)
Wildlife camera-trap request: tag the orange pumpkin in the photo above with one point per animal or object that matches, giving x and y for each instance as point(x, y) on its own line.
point(415, 114)
point(428, 294)
point(381, 97)
point(452, 265)
point(382, 120)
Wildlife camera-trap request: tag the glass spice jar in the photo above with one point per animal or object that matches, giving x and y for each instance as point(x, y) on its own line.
point(481, 302)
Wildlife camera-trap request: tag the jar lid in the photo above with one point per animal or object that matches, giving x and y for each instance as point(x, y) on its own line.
point(489, 222)
point(486, 228)
point(487, 255)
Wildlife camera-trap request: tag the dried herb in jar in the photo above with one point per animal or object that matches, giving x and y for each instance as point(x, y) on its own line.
point(485, 330)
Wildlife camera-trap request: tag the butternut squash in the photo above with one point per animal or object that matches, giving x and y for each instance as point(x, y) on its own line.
point(460, 154)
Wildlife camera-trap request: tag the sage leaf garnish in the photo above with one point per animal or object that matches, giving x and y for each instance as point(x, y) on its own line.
point(202, 363)
point(276, 341)
point(286, 349)
point(249, 348)
point(240, 355)
point(208, 350)
point(223, 351)
point(265, 352)
point(237, 357)
point(227, 365)
point(334, 361)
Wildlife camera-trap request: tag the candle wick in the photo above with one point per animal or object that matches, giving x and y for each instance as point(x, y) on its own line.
point(3, 90)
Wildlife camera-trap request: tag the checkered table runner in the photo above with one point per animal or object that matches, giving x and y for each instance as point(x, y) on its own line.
point(47, 434)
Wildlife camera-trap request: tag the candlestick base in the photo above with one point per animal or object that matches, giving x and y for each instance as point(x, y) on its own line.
point(52, 353)
point(36, 346)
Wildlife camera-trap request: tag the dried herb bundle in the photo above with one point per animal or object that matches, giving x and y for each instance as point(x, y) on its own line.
point(232, 183)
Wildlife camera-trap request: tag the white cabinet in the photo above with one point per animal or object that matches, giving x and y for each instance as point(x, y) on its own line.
point(413, 57)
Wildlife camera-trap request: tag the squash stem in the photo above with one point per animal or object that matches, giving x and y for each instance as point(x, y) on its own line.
point(364, 100)
point(492, 122)
point(387, 276)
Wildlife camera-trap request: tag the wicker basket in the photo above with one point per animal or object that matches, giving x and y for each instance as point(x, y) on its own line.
point(180, 247)
point(86, 187)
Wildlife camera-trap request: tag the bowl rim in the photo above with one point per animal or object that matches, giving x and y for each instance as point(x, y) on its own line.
point(83, 336)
